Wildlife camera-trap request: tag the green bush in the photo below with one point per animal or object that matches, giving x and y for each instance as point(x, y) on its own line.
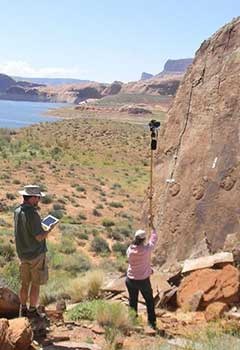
point(83, 235)
point(120, 248)
point(100, 245)
point(116, 205)
point(47, 199)
point(10, 196)
point(57, 213)
point(58, 206)
point(67, 246)
point(76, 263)
point(80, 188)
point(11, 275)
point(85, 310)
point(108, 223)
point(7, 251)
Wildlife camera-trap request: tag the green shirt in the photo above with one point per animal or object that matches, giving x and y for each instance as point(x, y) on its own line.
point(27, 226)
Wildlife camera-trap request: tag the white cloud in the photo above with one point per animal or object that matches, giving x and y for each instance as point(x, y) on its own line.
point(24, 69)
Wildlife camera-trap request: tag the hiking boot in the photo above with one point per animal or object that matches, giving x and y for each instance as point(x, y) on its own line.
point(34, 313)
point(23, 311)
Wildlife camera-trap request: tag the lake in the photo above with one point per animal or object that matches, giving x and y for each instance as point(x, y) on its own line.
point(17, 114)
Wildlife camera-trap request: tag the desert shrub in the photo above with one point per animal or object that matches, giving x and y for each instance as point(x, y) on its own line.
point(10, 196)
point(81, 216)
point(108, 222)
point(100, 245)
point(82, 235)
point(85, 311)
point(99, 206)
point(58, 206)
point(16, 182)
point(7, 251)
point(80, 188)
point(116, 205)
point(10, 273)
point(96, 212)
point(76, 263)
point(87, 287)
point(115, 186)
point(56, 153)
point(67, 246)
point(115, 315)
point(57, 213)
point(69, 229)
point(47, 199)
point(55, 288)
point(126, 216)
point(120, 248)
point(3, 223)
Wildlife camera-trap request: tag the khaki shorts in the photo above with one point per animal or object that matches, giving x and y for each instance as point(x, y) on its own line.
point(34, 271)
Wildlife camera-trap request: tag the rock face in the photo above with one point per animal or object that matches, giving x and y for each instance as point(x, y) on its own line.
point(199, 153)
point(213, 285)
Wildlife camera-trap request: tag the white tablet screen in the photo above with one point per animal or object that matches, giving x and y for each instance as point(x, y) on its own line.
point(49, 220)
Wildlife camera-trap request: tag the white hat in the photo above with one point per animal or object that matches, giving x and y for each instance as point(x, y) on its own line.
point(140, 234)
point(32, 190)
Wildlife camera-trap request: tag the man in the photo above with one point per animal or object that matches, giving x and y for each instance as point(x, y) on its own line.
point(139, 271)
point(30, 239)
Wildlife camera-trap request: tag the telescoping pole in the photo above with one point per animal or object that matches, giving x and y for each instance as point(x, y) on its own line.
point(153, 126)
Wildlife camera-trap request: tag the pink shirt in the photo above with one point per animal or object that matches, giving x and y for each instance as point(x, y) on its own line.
point(139, 259)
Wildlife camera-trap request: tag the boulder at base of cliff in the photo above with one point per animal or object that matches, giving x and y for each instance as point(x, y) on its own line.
point(215, 285)
point(15, 334)
point(9, 303)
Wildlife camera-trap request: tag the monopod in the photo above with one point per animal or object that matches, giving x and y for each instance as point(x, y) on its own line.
point(154, 125)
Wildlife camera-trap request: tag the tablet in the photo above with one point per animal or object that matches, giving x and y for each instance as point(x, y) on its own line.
point(48, 221)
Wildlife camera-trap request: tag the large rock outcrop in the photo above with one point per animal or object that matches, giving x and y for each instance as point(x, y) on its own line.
point(197, 185)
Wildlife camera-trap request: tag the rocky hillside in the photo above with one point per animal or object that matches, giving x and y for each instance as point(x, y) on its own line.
point(197, 186)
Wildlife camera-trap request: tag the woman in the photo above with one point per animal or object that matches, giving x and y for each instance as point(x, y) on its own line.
point(139, 271)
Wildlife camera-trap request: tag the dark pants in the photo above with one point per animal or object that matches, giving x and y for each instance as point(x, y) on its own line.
point(144, 286)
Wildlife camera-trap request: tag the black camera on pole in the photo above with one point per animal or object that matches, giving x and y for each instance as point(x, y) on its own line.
point(154, 125)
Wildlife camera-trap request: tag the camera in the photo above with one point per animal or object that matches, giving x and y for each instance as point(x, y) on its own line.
point(154, 125)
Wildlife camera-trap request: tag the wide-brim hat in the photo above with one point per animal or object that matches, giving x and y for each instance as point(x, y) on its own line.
point(32, 190)
point(140, 234)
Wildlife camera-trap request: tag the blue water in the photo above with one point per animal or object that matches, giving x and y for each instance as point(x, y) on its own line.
point(17, 114)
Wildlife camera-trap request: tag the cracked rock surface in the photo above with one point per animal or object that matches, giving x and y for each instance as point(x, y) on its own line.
point(202, 132)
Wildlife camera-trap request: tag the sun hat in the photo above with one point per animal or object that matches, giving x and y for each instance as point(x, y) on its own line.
point(140, 234)
point(32, 190)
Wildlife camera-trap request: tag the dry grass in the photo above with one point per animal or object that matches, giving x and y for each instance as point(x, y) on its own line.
point(86, 287)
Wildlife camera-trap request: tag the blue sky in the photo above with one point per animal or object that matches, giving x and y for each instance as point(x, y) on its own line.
point(104, 40)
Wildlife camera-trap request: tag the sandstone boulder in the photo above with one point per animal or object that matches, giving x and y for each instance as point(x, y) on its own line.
point(215, 311)
point(221, 285)
point(9, 302)
point(15, 334)
point(20, 333)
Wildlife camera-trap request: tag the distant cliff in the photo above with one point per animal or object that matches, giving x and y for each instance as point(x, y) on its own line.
point(146, 76)
point(176, 66)
point(6, 82)
point(171, 67)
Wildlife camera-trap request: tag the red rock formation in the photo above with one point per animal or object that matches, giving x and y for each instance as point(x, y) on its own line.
point(199, 153)
point(216, 286)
